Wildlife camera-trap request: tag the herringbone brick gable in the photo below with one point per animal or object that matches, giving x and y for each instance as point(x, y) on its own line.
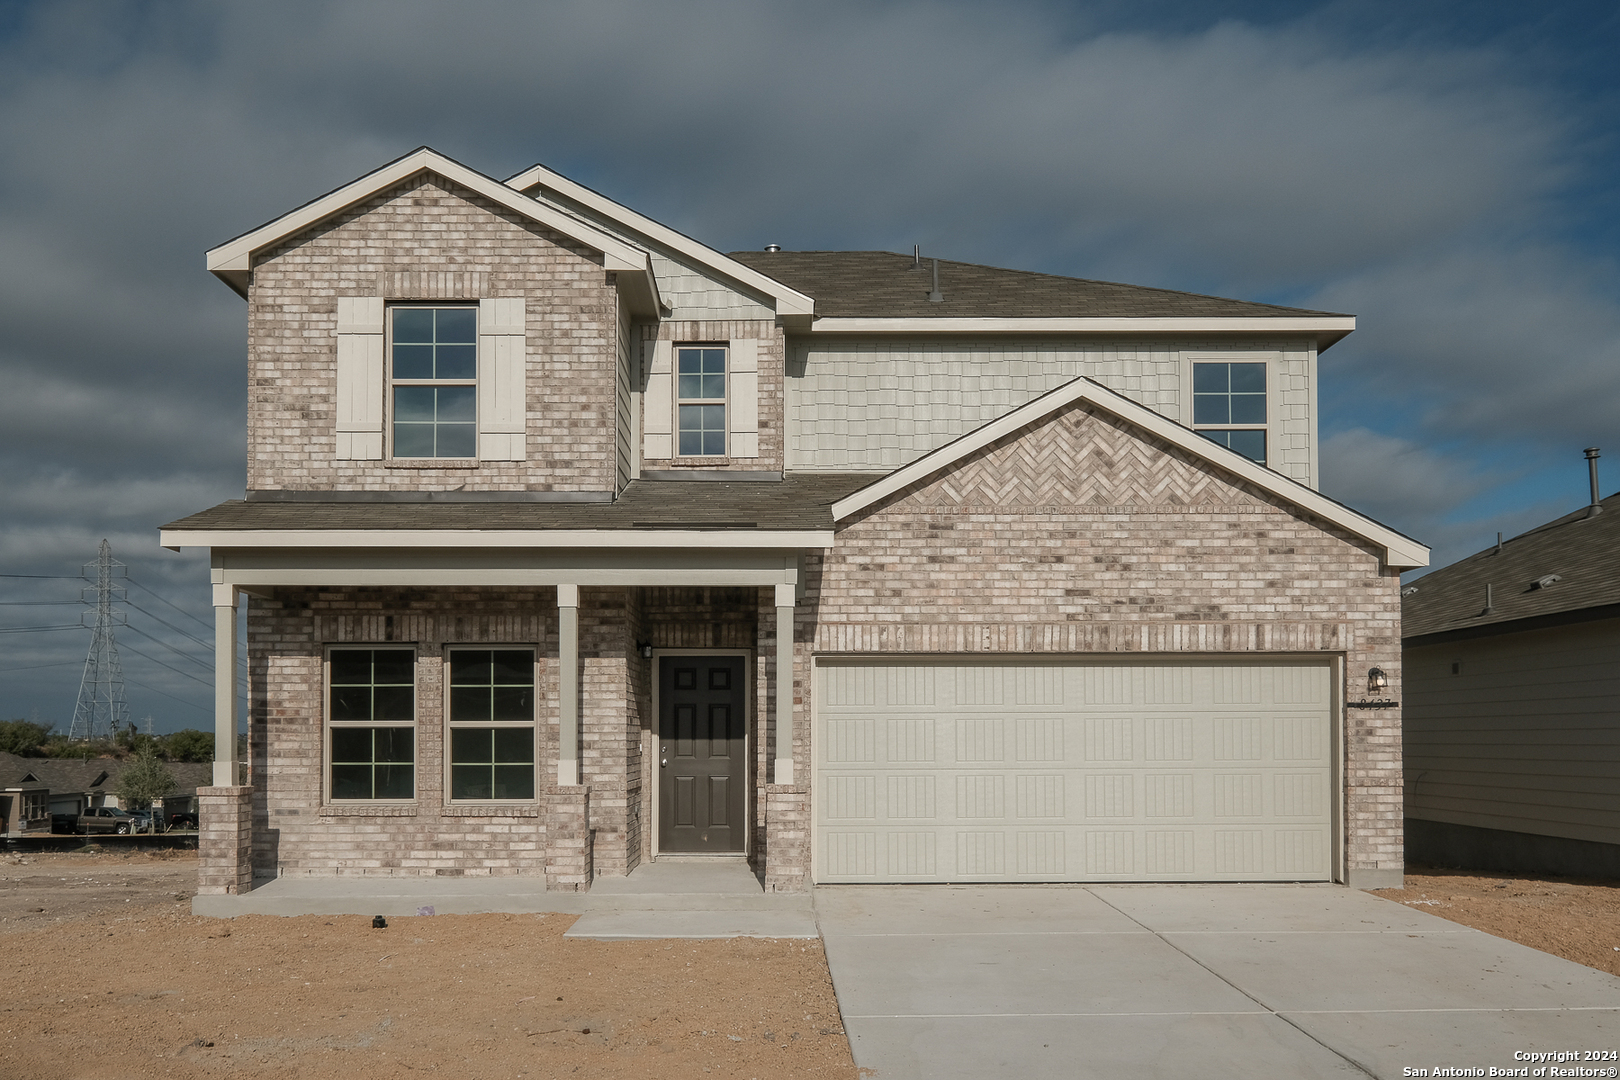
point(1082, 457)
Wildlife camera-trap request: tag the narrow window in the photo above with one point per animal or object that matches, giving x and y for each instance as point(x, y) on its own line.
point(434, 370)
point(1229, 406)
point(371, 719)
point(700, 393)
point(491, 724)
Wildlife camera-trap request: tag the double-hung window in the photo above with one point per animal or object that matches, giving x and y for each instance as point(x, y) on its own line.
point(433, 369)
point(371, 724)
point(700, 400)
point(491, 724)
point(1229, 405)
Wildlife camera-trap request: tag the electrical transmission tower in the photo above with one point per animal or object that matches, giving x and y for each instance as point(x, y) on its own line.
point(102, 707)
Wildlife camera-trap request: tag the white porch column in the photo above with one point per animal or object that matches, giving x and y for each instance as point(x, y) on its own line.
point(225, 763)
point(785, 597)
point(568, 684)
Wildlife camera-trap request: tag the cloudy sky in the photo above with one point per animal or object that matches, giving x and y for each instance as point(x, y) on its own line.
point(1444, 171)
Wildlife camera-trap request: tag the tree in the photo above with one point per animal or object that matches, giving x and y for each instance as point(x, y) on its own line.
point(189, 745)
point(22, 737)
point(143, 779)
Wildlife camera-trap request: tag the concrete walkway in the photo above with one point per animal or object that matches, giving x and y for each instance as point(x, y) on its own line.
point(670, 898)
point(1196, 982)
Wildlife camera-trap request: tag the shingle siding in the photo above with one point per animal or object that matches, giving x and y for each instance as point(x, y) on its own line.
point(880, 403)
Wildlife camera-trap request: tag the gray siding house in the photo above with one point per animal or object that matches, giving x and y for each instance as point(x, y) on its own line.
point(571, 543)
point(1513, 703)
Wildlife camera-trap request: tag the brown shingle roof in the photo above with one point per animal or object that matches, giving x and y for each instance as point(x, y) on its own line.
point(881, 284)
point(801, 501)
point(1584, 553)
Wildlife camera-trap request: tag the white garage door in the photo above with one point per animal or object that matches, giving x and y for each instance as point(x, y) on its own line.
point(1082, 770)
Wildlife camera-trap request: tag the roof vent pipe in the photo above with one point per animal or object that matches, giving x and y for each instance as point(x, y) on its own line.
point(937, 297)
point(773, 247)
point(916, 256)
point(1592, 456)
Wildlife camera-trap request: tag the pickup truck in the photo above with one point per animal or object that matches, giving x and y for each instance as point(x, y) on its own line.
point(107, 819)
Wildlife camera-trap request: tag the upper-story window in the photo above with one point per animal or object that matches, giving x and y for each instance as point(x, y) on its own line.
point(1229, 406)
point(433, 368)
point(700, 396)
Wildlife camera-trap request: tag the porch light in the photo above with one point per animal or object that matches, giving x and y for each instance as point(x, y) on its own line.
point(1376, 680)
point(645, 649)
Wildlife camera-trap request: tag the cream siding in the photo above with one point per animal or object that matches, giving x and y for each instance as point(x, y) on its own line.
point(658, 403)
point(624, 401)
point(877, 404)
point(742, 399)
point(1524, 738)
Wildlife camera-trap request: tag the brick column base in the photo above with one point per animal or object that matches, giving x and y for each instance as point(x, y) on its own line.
point(568, 839)
point(787, 838)
point(224, 840)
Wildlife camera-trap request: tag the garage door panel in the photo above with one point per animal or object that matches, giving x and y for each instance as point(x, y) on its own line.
point(1105, 772)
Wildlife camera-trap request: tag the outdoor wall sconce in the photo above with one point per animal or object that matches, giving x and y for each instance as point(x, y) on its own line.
point(1377, 681)
point(645, 649)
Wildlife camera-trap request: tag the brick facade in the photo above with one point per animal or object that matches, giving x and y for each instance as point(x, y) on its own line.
point(430, 240)
point(1082, 535)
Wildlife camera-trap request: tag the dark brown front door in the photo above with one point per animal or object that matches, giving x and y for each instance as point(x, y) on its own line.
point(702, 766)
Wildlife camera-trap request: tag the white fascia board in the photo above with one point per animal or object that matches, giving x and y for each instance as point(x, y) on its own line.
point(1400, 552)
point(236, 256)
point(788, 301)
point(495, 538)
point(1337, 325)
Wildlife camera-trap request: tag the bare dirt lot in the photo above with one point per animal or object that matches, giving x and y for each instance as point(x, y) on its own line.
point(110, 976)
point(1576, 918)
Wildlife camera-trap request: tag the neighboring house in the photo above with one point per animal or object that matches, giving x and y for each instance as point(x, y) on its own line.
point(570, 542)
point(25, 802)
point(69, 786)
point(1513, 703)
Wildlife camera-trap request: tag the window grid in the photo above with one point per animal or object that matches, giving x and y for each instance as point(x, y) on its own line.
point(700, 394)
point(371, 721)
point(491, 711)
point(433, 364)
point(1229, 405)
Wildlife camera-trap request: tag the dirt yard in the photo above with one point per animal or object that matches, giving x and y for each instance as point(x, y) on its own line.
point(1576, 918)
point(110, 976)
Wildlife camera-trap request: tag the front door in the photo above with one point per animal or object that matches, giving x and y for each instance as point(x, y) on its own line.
point(702, 758)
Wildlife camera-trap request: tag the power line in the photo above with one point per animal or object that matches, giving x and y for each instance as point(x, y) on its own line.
point(203, 622)
point(171, 667)
point(171, 697)
point(45, 577)
point(192, 637)
point(36, 667)
point(38, 629)
point(38, 603)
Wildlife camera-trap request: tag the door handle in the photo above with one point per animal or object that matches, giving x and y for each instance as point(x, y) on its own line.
point(663, 762)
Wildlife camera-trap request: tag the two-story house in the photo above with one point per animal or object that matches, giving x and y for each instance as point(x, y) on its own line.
point(571, 543)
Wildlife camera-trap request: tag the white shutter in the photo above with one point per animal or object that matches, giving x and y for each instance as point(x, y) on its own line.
point(658, 418)
point(359, 378)
point(742, 399)
point(503, 406)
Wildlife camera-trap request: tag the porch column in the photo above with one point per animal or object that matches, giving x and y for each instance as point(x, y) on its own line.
point(568, 685)
point(225, 762)
point(785, 596)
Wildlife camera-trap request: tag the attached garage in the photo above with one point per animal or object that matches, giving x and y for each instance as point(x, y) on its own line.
point(1023, 768)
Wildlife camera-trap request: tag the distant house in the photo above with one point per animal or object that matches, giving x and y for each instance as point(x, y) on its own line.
point(1512, 710)
point(32, 789)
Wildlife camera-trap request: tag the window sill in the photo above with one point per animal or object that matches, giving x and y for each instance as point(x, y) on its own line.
point(430, 463)
point(369, 810)
point(492, 810)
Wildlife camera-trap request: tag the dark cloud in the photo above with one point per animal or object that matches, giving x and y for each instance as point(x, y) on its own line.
point(1421, 184)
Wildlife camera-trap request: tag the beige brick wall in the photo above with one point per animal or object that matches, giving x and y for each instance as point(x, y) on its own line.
point(1085, 536)
point(430, 240)
point(771, 392)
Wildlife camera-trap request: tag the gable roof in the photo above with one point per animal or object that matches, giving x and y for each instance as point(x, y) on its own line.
point(81, 775)
point(1584, 552)
point(788, 300)
point(861, 291)
point(232, 260)
point(1399, 551)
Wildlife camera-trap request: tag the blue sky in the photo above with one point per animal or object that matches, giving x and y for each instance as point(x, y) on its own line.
point(1443, 171)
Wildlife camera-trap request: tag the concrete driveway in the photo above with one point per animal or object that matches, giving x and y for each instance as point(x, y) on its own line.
point(1195, 982)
